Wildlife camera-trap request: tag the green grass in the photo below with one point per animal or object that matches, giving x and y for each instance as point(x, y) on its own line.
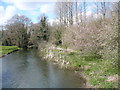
point(7, 49)
point(95, 69)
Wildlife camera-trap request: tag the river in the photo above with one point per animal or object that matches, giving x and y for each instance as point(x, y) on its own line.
point(24, 69)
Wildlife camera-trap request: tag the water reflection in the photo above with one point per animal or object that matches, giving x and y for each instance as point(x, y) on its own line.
point(24, 69)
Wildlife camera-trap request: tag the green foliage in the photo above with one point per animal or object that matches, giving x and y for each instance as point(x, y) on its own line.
point(58, 35)
point(43, 30)
point(16, 32)
point(6, 39)
point(39, 32)
point(72, 53)
point(96, 69)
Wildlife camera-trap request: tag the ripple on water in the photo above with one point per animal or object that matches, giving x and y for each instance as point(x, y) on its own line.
point(24, 69)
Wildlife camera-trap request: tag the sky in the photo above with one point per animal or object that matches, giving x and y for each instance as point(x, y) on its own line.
point(32, 9)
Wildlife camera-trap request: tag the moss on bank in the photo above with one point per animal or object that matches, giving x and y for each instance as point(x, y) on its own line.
point(7, 49)
point(99, 73)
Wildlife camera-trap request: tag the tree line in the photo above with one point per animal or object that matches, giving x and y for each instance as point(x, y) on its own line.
point(21, 32)
point(97, 33)
point(69, 12)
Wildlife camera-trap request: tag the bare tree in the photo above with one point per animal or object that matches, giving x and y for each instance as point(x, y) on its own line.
point(103, 10)
point(59, 11)
point(97, 8)
point(81, 16)
point(76, 12)
point(65, 12)
point(71, 13)
point(19, 27)
point(84, 13)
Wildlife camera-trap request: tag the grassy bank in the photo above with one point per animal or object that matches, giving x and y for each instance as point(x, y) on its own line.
point(100, 73)
point(7, 49)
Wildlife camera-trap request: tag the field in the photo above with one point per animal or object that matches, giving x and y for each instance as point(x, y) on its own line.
point(7, 49)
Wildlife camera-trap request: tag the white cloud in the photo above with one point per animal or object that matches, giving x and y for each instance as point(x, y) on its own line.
point(7, 13)
point(34, 8)
point(29, 0)
point(44, 8)
point(26, 5)
point(7, 1)
point(53, 21)
point(1, 11)
point(89, 13)
point(10, 11)
point(91, 7)
point(47, 8)
point(34, 13)
point(69, 0)
point(30, 4)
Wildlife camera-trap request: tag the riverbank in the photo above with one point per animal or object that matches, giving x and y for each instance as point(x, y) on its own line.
point(98, 73)
point(5, 50)
point(25, 69)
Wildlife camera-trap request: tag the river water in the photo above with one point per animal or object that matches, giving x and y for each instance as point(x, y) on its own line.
point(24, 69)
